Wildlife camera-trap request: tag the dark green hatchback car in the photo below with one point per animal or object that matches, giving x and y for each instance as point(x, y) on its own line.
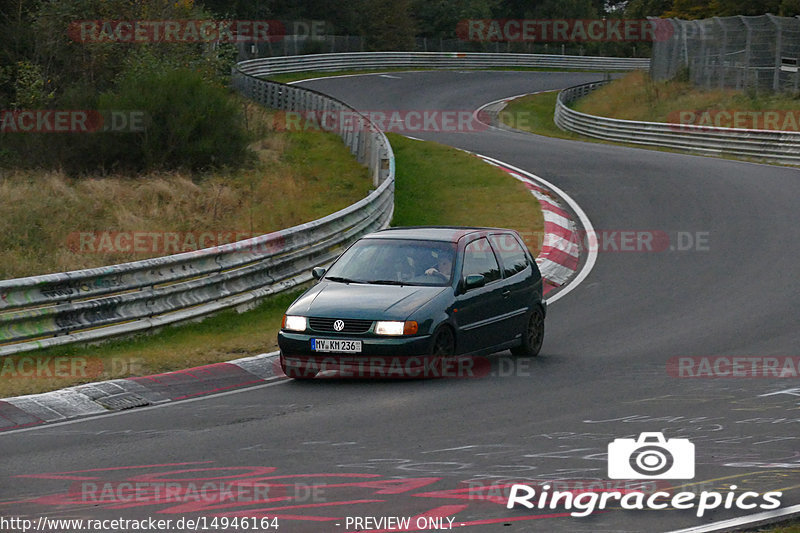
point(403, 301)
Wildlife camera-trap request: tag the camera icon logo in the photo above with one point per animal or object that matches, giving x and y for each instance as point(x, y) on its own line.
point(652, 457)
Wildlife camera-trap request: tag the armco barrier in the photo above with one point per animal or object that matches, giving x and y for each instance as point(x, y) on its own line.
point(778, 146)
point(432, 60)
point(98, 303)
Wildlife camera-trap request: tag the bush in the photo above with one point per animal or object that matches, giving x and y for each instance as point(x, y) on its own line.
point(189, 124)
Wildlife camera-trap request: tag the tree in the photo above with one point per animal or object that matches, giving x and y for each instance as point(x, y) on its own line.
point(701, 9)
point(387, 25)
point(440, 18)
point(641, 9)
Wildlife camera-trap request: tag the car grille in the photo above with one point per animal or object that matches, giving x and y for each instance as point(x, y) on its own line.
point(351, 325)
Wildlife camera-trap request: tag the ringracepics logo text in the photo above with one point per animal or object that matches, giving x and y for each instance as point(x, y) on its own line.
point(586, 503)
point(650, 456)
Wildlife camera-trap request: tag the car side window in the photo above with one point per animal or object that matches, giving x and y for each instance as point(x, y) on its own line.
point(511, 254)
point(479, 259)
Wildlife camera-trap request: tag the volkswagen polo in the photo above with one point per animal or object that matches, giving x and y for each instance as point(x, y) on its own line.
point(402, 301)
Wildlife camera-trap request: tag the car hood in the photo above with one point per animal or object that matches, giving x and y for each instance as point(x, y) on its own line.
point(330, 299)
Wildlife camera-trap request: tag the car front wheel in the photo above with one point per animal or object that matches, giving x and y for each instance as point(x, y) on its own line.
point(443, 348)
point(444, 343)
point(297, 373)
point(533, 336)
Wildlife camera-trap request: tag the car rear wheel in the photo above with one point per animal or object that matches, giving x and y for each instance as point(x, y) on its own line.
point(533, 336)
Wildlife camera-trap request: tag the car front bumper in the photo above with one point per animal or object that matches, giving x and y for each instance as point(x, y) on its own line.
point(379, 357)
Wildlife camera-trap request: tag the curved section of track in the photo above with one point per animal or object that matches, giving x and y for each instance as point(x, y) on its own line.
point(416, 448)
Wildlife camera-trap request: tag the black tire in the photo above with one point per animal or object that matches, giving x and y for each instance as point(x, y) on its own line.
point(444, 343)
point(296, 373)
point(299, 374)
point(532, 336)
point(443, 348)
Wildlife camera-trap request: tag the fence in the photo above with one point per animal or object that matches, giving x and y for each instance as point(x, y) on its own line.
point(731, 52)
point(778, 146)
point(429, 60)
point(98, 303)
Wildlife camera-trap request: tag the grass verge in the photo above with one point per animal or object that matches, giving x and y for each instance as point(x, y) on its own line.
point(792, 526)
point(52, 223)
point(637, 97)
point(435, 185)
point(534, 113)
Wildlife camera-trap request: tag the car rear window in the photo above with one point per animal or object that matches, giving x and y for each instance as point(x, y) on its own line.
point(479, 259)
point(511, 254)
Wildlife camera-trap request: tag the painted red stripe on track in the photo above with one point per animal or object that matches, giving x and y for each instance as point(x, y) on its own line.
point(561, 231)
point(553, 208)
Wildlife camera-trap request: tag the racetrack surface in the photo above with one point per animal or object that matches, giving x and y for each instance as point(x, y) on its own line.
point(404, 448)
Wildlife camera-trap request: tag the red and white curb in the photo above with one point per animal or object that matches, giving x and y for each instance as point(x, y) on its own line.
point(560, 253)
point(120, 394)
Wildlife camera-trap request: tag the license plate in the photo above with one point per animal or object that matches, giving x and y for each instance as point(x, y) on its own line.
point(336, 345)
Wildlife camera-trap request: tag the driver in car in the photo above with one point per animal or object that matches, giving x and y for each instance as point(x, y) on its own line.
point(443, 268)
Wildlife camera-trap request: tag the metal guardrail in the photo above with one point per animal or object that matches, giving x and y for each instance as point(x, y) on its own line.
point(98, 303)
point(778, 146)
point(434, 60)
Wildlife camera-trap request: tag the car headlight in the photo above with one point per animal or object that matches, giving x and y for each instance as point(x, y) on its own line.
point(391, 327)
point(294, 323)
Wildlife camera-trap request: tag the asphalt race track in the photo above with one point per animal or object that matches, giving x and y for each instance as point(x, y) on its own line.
point(333, 449)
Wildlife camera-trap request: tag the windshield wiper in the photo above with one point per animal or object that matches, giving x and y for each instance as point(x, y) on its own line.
point(387, 282)
point(342, 280)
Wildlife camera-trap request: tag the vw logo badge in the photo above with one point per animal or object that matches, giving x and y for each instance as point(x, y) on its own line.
point(338, 325)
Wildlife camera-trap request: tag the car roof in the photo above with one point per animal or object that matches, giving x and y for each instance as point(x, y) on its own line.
point(432, 233)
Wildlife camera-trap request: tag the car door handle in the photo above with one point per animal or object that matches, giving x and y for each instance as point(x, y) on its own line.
point(506, 293)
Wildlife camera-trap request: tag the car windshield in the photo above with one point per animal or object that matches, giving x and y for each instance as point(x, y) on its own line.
point(395, 262)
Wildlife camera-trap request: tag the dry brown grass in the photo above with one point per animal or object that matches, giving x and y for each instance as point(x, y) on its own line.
point(295, 177)
point(637, 97)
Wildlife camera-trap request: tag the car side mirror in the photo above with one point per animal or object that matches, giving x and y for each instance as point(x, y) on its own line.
point(318, 272)
point(473, 281)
